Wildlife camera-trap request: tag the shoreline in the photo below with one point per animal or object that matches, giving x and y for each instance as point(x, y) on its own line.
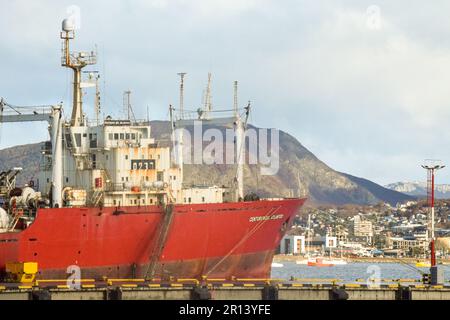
point(292, 258)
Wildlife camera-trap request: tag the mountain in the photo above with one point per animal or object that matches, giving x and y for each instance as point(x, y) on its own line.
point(389, 195)
point(26, 157)
point(419, 189)
point(300, 173)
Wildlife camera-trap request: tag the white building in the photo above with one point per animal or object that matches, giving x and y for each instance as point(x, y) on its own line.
point(292, 245)
point(330, 242)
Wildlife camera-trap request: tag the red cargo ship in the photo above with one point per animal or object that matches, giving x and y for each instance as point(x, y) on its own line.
point(111, 200)
point(215, 240)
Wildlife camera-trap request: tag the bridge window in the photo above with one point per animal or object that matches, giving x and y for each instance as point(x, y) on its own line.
point(69, 141)
point(94, 161)
point(92, 140)
point(78, 139)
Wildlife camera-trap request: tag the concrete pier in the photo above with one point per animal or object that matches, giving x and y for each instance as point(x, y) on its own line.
point(248, 290)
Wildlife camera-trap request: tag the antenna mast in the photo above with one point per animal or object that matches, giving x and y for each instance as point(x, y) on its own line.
point(75, 61)
point(208, 106)
point(182, 75)
point(235, 102)
point(128, 109)
point(97, 100)
point(126, 103)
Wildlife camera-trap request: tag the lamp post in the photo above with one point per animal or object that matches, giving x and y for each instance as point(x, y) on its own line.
point(432, 166)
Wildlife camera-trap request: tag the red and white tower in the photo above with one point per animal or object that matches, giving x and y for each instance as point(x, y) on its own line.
point(431, 166)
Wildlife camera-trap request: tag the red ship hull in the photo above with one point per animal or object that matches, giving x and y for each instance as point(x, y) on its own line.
point(215, 240)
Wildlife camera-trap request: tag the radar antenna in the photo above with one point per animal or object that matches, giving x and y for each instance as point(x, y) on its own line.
point(75, 61)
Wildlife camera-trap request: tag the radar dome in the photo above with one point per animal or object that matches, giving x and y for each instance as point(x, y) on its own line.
point(68, 25)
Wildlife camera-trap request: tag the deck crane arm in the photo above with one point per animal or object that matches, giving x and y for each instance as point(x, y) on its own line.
point(10, 113)
point(239, 121)
point(53, 115)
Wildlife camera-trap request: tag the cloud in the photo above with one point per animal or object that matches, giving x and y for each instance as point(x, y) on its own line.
point(360, 97)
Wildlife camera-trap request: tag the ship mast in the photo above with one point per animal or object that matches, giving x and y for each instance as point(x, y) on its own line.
point(208, 106)
point(182, 75)
point(75, 61)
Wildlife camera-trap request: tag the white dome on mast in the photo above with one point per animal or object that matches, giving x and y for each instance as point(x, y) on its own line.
point(68, 25)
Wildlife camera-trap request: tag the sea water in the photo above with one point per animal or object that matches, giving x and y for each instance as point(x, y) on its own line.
point(353, 271)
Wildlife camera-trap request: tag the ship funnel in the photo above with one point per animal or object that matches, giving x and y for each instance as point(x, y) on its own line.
point(68, 25)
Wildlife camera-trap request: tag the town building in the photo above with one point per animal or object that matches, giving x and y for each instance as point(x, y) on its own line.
point(362, 228)
point(292, 244)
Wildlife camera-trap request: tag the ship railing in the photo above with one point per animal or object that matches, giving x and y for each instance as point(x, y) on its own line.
point(121, 187)
point(79, 58)
point(123, 122)
point(115, 187)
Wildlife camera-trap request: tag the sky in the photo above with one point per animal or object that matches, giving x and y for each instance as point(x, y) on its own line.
point(364, 85)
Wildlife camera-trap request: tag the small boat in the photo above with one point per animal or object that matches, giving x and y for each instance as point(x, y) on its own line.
point(338, 262)
point(319, 262)
point(423, 264)
point(277, 265)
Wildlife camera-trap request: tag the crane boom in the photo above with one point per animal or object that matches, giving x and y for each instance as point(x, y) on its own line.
point(12, 114)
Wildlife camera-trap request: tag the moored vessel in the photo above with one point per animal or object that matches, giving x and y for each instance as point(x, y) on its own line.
point(110, 199)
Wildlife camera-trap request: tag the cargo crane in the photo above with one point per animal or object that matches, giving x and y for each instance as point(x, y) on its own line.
point(53, 115)
point(189, 119)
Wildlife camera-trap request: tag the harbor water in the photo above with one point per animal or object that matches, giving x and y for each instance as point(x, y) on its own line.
point(352, 271)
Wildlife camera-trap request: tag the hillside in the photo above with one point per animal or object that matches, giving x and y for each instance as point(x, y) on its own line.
point(301, 173)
